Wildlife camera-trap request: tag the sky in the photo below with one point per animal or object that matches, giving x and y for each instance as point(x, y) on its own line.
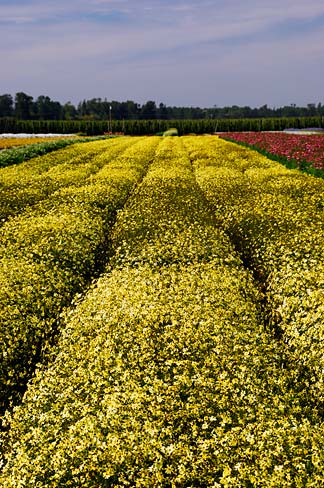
point(183, 53)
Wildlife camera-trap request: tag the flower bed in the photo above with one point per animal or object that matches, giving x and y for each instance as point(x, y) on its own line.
point(13, 140)
point(165, 373)
point(50, 252)
point(14, 151)
point(303, 150)
point(30, 182)
point(274, 217)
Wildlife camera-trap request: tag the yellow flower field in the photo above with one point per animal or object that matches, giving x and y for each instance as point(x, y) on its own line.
point(163, 320)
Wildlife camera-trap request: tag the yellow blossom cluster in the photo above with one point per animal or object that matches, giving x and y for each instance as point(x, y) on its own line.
point(170, 371)
point(28, 183)
point(51, 250)
point(275, 219)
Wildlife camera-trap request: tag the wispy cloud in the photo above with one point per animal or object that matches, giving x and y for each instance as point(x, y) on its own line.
point(176, 51)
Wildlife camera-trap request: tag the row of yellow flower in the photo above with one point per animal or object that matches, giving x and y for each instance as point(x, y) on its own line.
point(8, 142)
point(20, 154)
point(50, 251)
point(165, 374)
point(30, 182)
point(275, 217)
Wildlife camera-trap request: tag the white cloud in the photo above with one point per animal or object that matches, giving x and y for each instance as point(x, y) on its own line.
point(206, 44)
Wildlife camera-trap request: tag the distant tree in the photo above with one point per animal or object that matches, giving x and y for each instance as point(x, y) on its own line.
point(149, 110)
point(82, 109)
point(23, 106)
point(246, 112)
point(163, 112)
point(116, 110)
point(123, 110)
point(133, 109)
point(311, 109)
point(95, 108)
point(264, 111)
point(6, 105)
point(47, 109)
point(69, 111)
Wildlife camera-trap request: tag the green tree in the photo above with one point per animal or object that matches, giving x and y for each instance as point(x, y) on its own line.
point(6, 105)
point(149, 110)
point(163, 112)
point(69, 111)
point(23, 106)
point(47, 109)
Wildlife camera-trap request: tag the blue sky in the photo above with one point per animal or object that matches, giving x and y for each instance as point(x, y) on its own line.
point(192, 53)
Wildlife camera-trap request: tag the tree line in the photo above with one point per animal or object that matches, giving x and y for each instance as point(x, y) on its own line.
point(23, 107)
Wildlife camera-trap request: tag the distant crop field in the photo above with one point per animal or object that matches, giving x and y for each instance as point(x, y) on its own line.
point(162, 317)
point(19, 150)
point(8, 142)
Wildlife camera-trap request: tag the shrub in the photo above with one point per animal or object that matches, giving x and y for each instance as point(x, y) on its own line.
point(171, 132)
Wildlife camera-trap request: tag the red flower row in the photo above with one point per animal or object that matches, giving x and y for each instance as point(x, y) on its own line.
point(296, 147)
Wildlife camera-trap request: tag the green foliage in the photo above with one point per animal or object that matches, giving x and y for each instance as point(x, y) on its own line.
point(46, 110)
point(154, 126)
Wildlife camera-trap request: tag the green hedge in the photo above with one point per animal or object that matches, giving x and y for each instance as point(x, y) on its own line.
point(146, 127)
